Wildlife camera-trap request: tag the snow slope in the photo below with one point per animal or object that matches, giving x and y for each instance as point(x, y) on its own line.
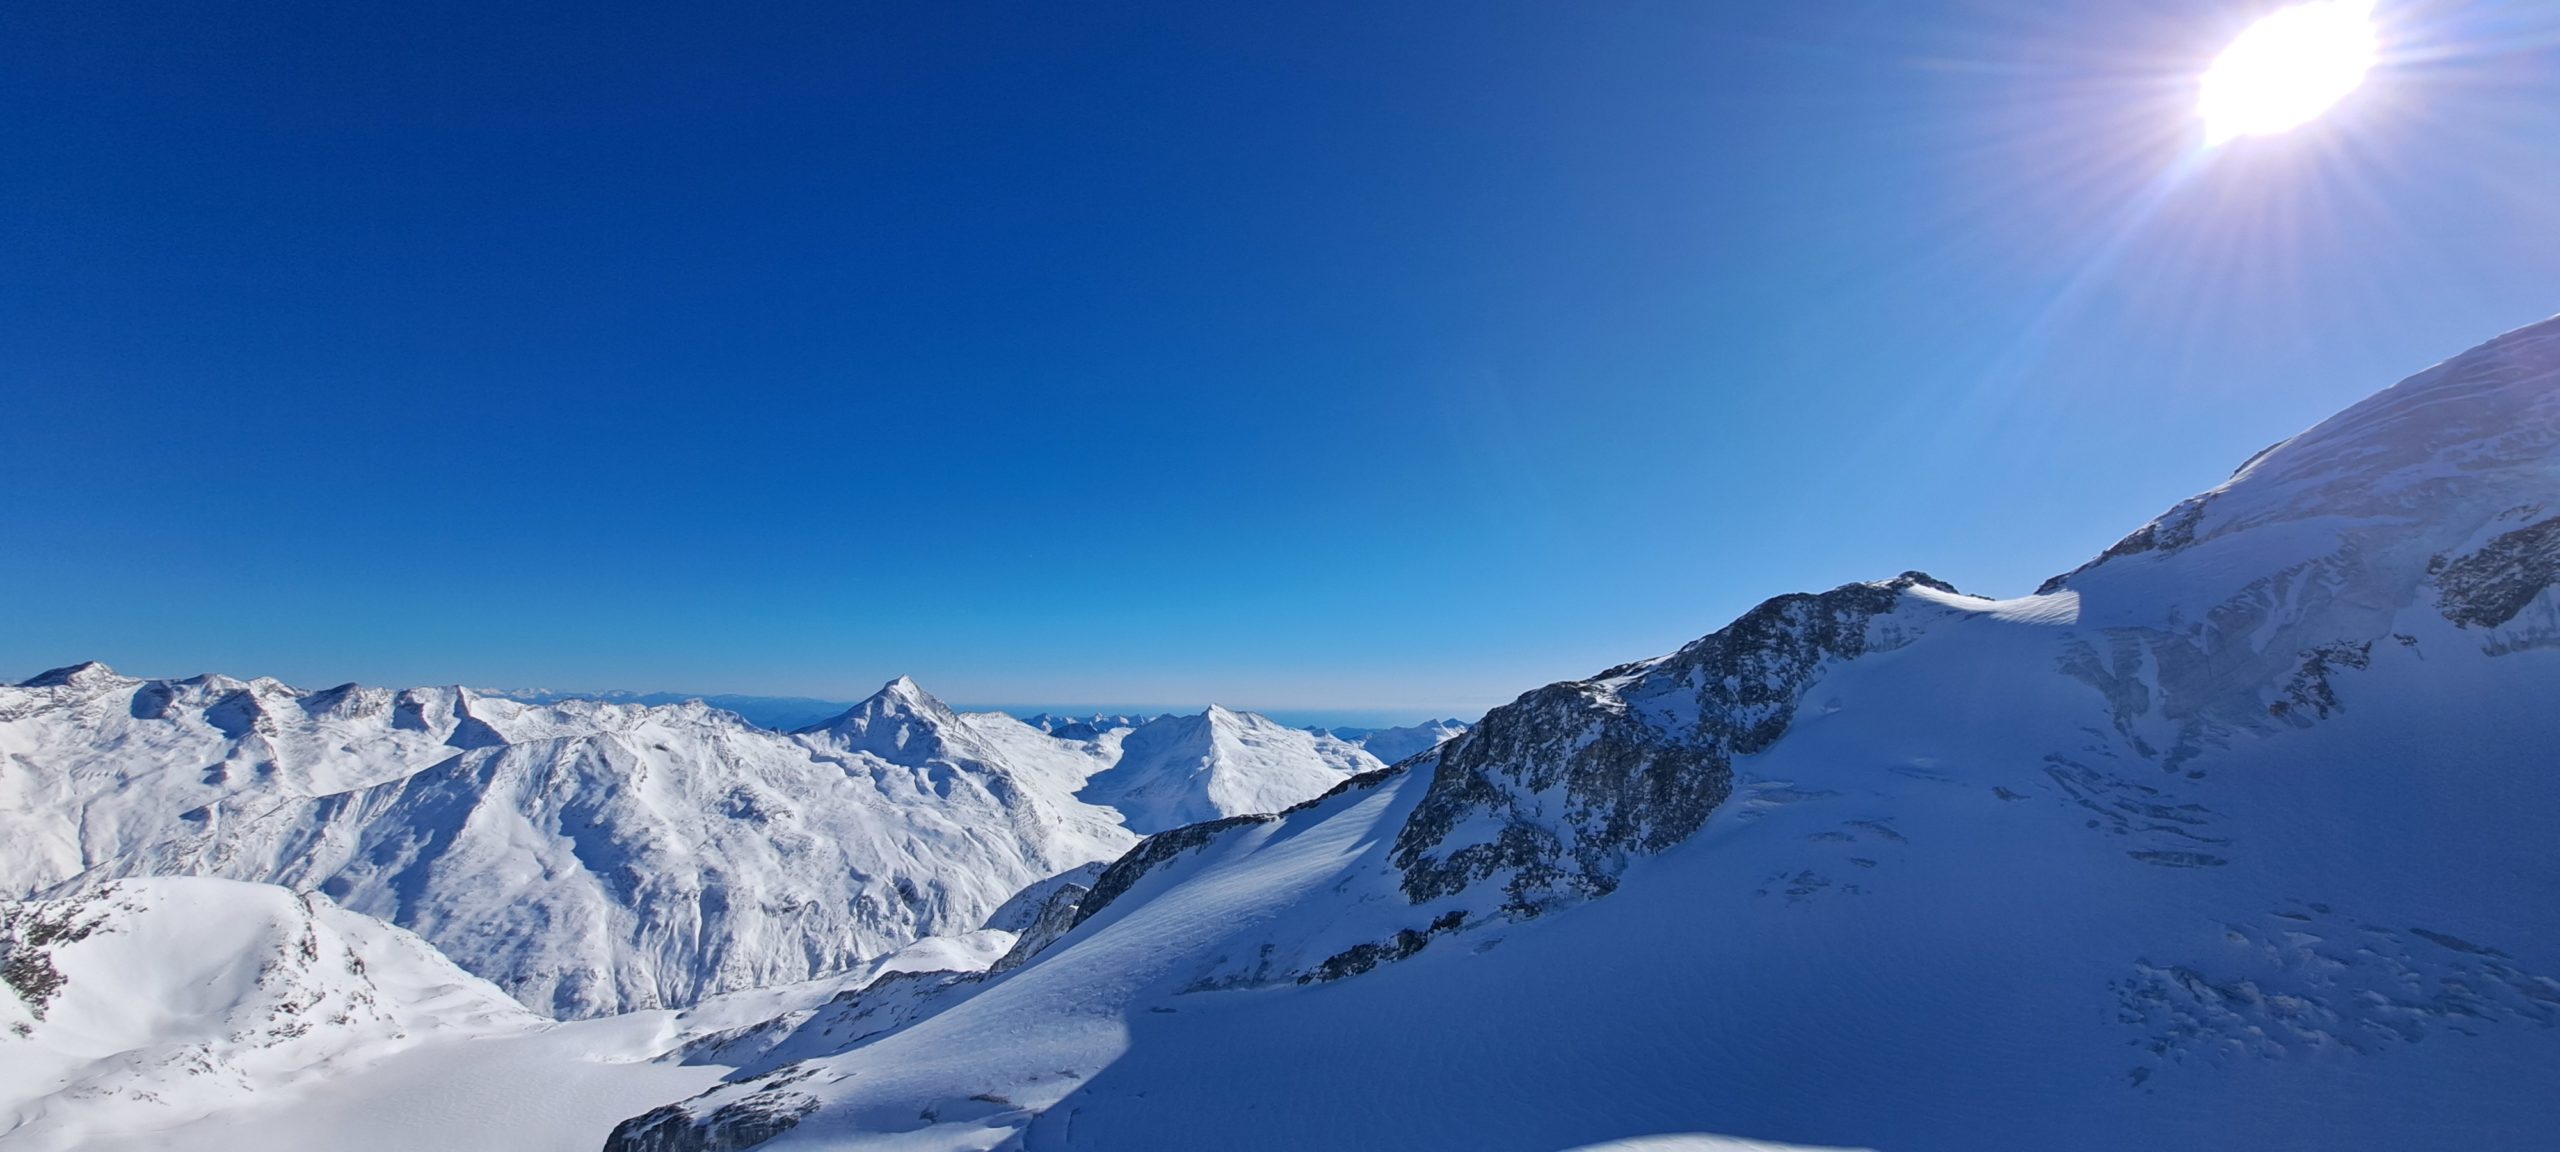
point(194, 1013)
point(1178, 770)
point(169, 998)
point(591, 858)
point(2236, 837)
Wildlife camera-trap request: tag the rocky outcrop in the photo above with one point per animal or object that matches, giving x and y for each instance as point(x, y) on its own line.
point(1552, 794)
point(2489, 587)
point(743, 1124)
point(1057, 912)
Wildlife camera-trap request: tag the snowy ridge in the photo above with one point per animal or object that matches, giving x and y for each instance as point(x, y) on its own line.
point(1178, 770)
point(1390, 745)
point(171, 997)
point(589, 857)
point(2229, 838)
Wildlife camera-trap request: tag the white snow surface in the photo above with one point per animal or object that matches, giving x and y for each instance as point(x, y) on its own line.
point(589, 857)
point(196, 1013)
point(1390, 745)
point(178, 996)
point(2239, 837)
point(1178, 770)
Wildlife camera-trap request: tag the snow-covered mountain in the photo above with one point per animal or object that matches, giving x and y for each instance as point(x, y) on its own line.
point(169, 998)
point(1178, 770)
point(1392, 744)
point(590, 858)
point(2237, 836)
point(204, 1014)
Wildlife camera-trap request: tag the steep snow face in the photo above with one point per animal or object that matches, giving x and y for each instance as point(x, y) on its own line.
point(2236, 837)
point(1180, 770)
point(589, 857)
point(159, 1000)
point(1390, 745)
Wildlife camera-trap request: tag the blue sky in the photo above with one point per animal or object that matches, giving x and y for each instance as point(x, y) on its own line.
point(1328, 356)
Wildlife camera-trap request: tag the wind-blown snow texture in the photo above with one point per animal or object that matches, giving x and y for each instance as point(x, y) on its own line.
point(2237, 836)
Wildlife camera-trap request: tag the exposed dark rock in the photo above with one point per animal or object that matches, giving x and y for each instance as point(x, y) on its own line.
point(28, 933)
point(1362, 957)
point(739, 1124)
point(1057, 915)
point(2175, 529)
point(2309, 690)
point(1556, 790)
point(30, 971)
point(2489, 587)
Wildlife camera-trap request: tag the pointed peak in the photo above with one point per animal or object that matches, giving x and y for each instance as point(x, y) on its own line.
point(901, 698)
point(904, 694)
point(1222, 716)
point(85, 674)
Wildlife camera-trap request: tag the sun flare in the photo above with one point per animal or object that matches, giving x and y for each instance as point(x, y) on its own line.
point(2288, 68)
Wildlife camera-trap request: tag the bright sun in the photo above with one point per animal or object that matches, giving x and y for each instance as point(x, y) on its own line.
point(2288, 69)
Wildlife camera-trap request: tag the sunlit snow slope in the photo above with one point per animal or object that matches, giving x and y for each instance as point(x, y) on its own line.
point(182, 996)
point(1177, 770)
point(2237, 837)
point(212, 1015)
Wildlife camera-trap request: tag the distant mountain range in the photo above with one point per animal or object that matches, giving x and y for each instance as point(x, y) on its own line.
point(780, 713)
point(595, 857)
point(2236, 836)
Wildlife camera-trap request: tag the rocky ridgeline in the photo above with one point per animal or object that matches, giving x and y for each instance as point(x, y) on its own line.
point(1551, 795)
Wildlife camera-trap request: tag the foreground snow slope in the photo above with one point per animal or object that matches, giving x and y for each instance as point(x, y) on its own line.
point(2236, 837)
point(203, 1014)
point(590, 858)
point(174, 997)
